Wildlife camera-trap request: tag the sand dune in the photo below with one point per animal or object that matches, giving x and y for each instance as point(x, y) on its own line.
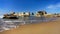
point(52, 27)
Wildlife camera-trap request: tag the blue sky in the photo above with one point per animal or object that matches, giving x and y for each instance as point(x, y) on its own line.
point(51, 6)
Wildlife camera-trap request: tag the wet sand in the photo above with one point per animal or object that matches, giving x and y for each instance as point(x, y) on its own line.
point(52, 27)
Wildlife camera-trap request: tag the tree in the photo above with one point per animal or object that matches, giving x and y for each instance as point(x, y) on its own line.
point(32, 13)
point(42, 12)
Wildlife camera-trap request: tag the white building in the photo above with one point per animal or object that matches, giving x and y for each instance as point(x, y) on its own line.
point(22, 14)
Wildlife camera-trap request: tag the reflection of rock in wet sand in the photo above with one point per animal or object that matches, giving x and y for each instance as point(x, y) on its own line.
point(52, 27)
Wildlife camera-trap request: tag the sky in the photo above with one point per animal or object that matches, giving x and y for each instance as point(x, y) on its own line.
point(50, 6)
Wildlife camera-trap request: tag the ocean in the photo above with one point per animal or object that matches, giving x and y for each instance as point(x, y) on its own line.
point(7, 24)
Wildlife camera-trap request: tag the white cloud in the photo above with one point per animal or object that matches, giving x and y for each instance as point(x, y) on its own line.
point(54, 6)
point(50, 6)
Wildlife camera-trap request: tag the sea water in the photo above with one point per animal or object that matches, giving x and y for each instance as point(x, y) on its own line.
point(7, 24)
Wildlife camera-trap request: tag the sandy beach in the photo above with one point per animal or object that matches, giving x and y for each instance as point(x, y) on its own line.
point(52, 27)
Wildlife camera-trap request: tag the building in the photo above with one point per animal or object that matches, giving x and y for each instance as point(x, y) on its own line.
point(23, 14)
point(41, 13)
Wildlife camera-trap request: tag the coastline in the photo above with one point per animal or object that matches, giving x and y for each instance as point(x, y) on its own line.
point(51, 27)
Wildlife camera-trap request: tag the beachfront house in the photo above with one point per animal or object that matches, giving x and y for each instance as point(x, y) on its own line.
point(23, 14)
point(57, 15)
point(41, 13)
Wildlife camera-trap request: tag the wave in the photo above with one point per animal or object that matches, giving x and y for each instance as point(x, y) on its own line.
point(7, 24)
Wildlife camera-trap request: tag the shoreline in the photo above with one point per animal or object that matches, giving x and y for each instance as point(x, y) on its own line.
point(51, 27)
